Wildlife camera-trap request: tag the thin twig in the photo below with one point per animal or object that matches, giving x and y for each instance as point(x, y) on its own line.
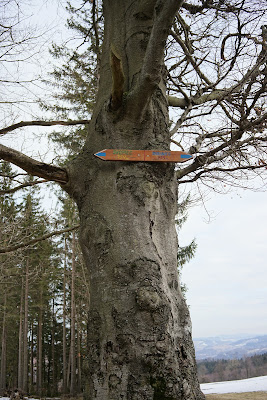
point(36, 240)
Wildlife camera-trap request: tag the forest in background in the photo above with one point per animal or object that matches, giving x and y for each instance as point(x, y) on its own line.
point(44, 295)
point(229, 370)
point(44, 285)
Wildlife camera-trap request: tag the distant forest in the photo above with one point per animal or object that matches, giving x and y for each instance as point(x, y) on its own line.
point(228, 370)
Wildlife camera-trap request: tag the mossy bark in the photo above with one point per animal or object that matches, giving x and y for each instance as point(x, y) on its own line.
point(139, 330)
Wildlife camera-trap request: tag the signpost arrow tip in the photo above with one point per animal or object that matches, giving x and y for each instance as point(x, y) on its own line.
point(187, 156)
point(101, 154)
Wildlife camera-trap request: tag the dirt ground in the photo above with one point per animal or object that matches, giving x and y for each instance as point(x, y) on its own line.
point(238, 396)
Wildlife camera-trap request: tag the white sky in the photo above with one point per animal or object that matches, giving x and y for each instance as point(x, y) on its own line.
point(227, 279)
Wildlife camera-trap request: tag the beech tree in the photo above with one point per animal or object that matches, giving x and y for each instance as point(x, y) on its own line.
point(205, 59)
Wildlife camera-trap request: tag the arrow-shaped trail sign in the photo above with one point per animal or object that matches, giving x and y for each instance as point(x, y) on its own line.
point(143, 155)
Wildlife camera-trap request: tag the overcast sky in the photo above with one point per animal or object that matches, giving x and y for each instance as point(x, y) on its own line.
point(227, 279)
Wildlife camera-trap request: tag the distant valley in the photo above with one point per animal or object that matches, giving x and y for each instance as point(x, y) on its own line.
point(229, 347)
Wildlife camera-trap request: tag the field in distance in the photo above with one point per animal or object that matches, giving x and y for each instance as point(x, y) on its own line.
point(238, 396)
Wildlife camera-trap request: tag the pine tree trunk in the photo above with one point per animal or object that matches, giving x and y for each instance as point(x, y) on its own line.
point(3, 347)
point(139, 329)
point(65, 366)
point(20, 355)
point(68, 371)
point(72, 339)
point(25, 329)
point(32, 360)
point(79, 366)
point(54, 390)
point(40, 347)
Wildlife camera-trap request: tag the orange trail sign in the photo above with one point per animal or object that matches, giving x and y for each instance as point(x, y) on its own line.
point(143, 155)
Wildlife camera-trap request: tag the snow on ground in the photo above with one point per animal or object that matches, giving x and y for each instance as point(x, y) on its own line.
point(245, 385)
point(8, 398)
point(258, 384)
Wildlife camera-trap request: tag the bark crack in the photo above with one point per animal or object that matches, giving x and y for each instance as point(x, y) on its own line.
point(117, 82)
point(151, 224)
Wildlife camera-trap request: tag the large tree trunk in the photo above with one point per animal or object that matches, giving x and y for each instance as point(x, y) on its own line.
point(139, 330)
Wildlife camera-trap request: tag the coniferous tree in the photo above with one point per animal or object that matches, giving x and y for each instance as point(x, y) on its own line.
point(184, 253)
point(8, 275)
point(29, 278)
point(75, 302)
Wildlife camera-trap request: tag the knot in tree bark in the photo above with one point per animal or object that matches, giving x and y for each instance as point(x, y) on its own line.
point(148, 298)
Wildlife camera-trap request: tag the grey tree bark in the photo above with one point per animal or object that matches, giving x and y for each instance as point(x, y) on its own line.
point(139, 330)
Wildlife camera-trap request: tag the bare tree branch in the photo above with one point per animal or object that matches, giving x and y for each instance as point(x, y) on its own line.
point(151, 70)
point(220, 94)
point(239, 35)
point(21, 124)
point(225, 170)
point(190, 58)
point(23, 185)
point(33, 167)
point(36, 240)
point(201, 160)
point(227, 148)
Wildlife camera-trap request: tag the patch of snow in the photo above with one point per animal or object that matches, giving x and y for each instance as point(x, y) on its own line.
point(258, 384)
point(255, 351)
point(26, 398)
